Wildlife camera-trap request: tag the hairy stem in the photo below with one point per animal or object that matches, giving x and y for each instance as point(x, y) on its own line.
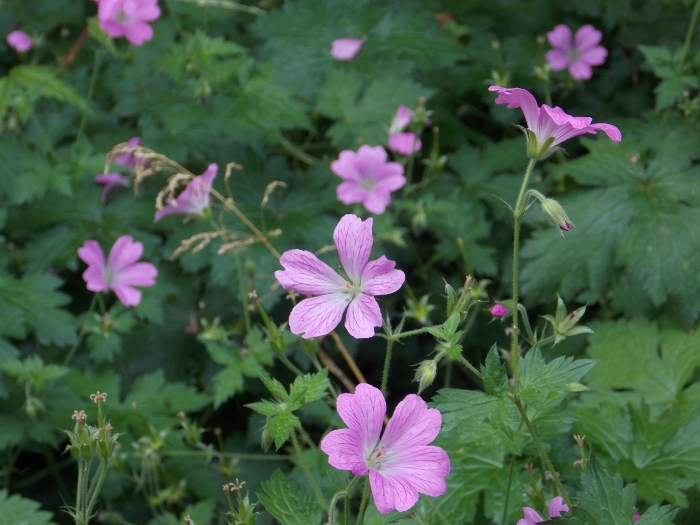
point(91, 91)
point(510, 482)
point(363, 503)
point(305, 466)
point(244, 296)
point(387, 360)
point(74, 348)
point(691, 30)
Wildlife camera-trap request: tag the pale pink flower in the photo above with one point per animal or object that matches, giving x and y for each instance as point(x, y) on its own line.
point(402, 142)
point(635, 517)
point(346, 48)
point(128, 159)
point(369, 178)
point(20, 41)
point(121, 272)
point(194, 199)
point(401, 464)
point(547, 127)
point(498, 310)
point(111, 180)
point(128, 18)
point(556, 507)
point(578, 52)
point(306, 274)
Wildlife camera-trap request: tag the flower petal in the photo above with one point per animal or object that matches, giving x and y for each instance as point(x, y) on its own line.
point(558, 59)
point(380, 278)
point(363, 412)
point(519, 98)
point(127, 295)
point(318, 315)
point(353, 238)
point(531, 517)
point(586, 37)
point(404, 143)
point(610, 130)
point(412, 424)
point(345, 450)
point(422, 467)
point(557, 506)
point(91, 253)
point(580, 70)
point(346, 166)
point(124, 252)
point(595, 56)
point(561, 37)
point(349, 192)
point(138, 274)
point(401, 119)
point(363, 316)
point(377, 200)
point(346, 48)
point(307, 274)
point(391, 492)
point(390, 177)
point(94, 279)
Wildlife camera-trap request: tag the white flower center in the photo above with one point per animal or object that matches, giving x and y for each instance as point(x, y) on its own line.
point(367, 184)
point(122, 17)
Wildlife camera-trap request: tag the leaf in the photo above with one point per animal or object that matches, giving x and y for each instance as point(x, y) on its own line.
point(308, 388)
point(281, 426)
point(16, 510)
point(42, 79)
point(494, 374)
point(288, 503)
point(658, 515)
point(463, 409)
point(539, 380)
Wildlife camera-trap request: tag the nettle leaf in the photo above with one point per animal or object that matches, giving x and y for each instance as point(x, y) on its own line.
point(308, 388)
point(18, 510)
point(658, 515)
point(539, 379)
point(494, 374)
point(463, 409)
point(289, 503)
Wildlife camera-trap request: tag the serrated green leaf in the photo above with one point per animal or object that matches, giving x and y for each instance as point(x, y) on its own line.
point(281, 426)
point(275, 387)
point(463, 409)
point(265, 407)
point(658, 515)
point(289, 503)
point(16, 510)
point(308, 388)
point(494, 374)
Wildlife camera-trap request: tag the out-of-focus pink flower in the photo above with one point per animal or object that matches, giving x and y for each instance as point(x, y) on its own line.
point(194, 199)
point(128, 18)
point(635, 517)
point(121, 272)
point(578, 52)
point(128, 159)
point(346, 48)
point(306, 274)
point(111, 180)
point(401, 142)
point(548, 127)
point(498, 310)
point(401, 464)
point(369, 178)
point(20, 41)
point(401, 119)
point(556, 507)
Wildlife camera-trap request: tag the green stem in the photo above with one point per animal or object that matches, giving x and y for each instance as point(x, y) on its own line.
point(518, 213)
point(305, 466)
point(510, 481)
point(543, 454)
point(45, 139)
point(74, 348)
point(290, 365)
point(469, 366)
point(288, 146)
point(691, 30)
point(234, 455)
point(79, 495)
point(437, 511)
point(334, 500)
point(409, 333)
point(244, 297)
point(84, 489)
point(363, 503)
point(96, 490)
point(387, 360)
point(91, 91)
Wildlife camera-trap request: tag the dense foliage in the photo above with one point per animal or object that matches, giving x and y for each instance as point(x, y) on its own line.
point(206, 383)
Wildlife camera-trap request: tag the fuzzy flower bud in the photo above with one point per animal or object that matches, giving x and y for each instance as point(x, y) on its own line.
point(555, 213)
point(425, 375)
point(498, 310)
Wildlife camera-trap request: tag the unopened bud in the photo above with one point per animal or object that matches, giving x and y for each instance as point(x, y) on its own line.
point(555, 213)
point(425, 375)
point(498, 310)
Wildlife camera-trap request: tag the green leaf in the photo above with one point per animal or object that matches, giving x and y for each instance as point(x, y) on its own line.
point(288, 503)
point(281, 427)
point(658, 515)
point(308, 388)
point(539, 380)
point(265, 407)
point(494, 374)
point(275, 387)
point(463, 409)
point(16, 510)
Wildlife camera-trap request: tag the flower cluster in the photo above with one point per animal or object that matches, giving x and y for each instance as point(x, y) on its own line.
point(128, 18)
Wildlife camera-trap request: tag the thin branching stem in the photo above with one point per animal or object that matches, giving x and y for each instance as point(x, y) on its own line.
point(305, 466)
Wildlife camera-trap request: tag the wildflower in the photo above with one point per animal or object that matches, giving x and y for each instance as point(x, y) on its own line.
point(19, 41)
point(400, 464)
point(127, 159)
point(128, 18)
point(346, 48)
point(369, 178)
point(80, 417)
point(194, 199)
point(578, 52)
point(121, 272)
point(498, 310)
point(306, 274)
point(556, 507)
point(547, 127)
point(635, 517)
point(402, 142)
point(110, 180)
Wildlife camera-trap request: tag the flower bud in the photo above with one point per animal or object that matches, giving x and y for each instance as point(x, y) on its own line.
point(555, 213)
point(498, 310)
point(425, 375)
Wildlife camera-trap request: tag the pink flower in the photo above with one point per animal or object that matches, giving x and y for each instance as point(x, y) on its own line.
point(635, 517)
point(404, 143)
point(128, 18)
point(498, 310)
point(20, 41)
point(547, 127)
point(121, 272)
point(369, 178)
point(306, 274)
point(128, 159)
point(194, 199)
point(110, 180)
point(556, 507)
point(346, 48)
point(578, 53)
point(400, 464)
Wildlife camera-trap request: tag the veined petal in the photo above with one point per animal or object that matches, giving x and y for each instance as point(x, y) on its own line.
point(401, 119)
point(586, 37)
point(377, 200)
point(349, 192)
point(353, 238)
point(345, 450)
point(363, 316)
point(531, 517)
point(610, 130)
point(380, 278)
point(94, 279)
point(124, 252)
point(138, 274)
point(557, 506)
point(91, 253)
point(423, 467)
point(318, 315)
point(370, 158)
point(307, 274)
point(561, 37)
point(346, 166)
point(391, 492)
point(363, 412)
point(519, 98)
point(127, 295)
point(412, 424)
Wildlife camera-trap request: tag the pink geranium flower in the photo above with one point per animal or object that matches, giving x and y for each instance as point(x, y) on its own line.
point(306, 274)
point(194, 199)
point(400, 464)
point(578, 52)
point(111, 180)
point(121, 272)
point(346, 48)
point(128, 18)
point(547, 127)
point(402, 142)
point(20, 41)
point(556, 507)
point(128, 159)
point(369, 178)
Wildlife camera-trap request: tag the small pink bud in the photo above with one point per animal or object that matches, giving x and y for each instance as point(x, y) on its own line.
point(635, 517)
point(498, 310)
point(566, 226)
point(346, 48)
point(20, 41)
